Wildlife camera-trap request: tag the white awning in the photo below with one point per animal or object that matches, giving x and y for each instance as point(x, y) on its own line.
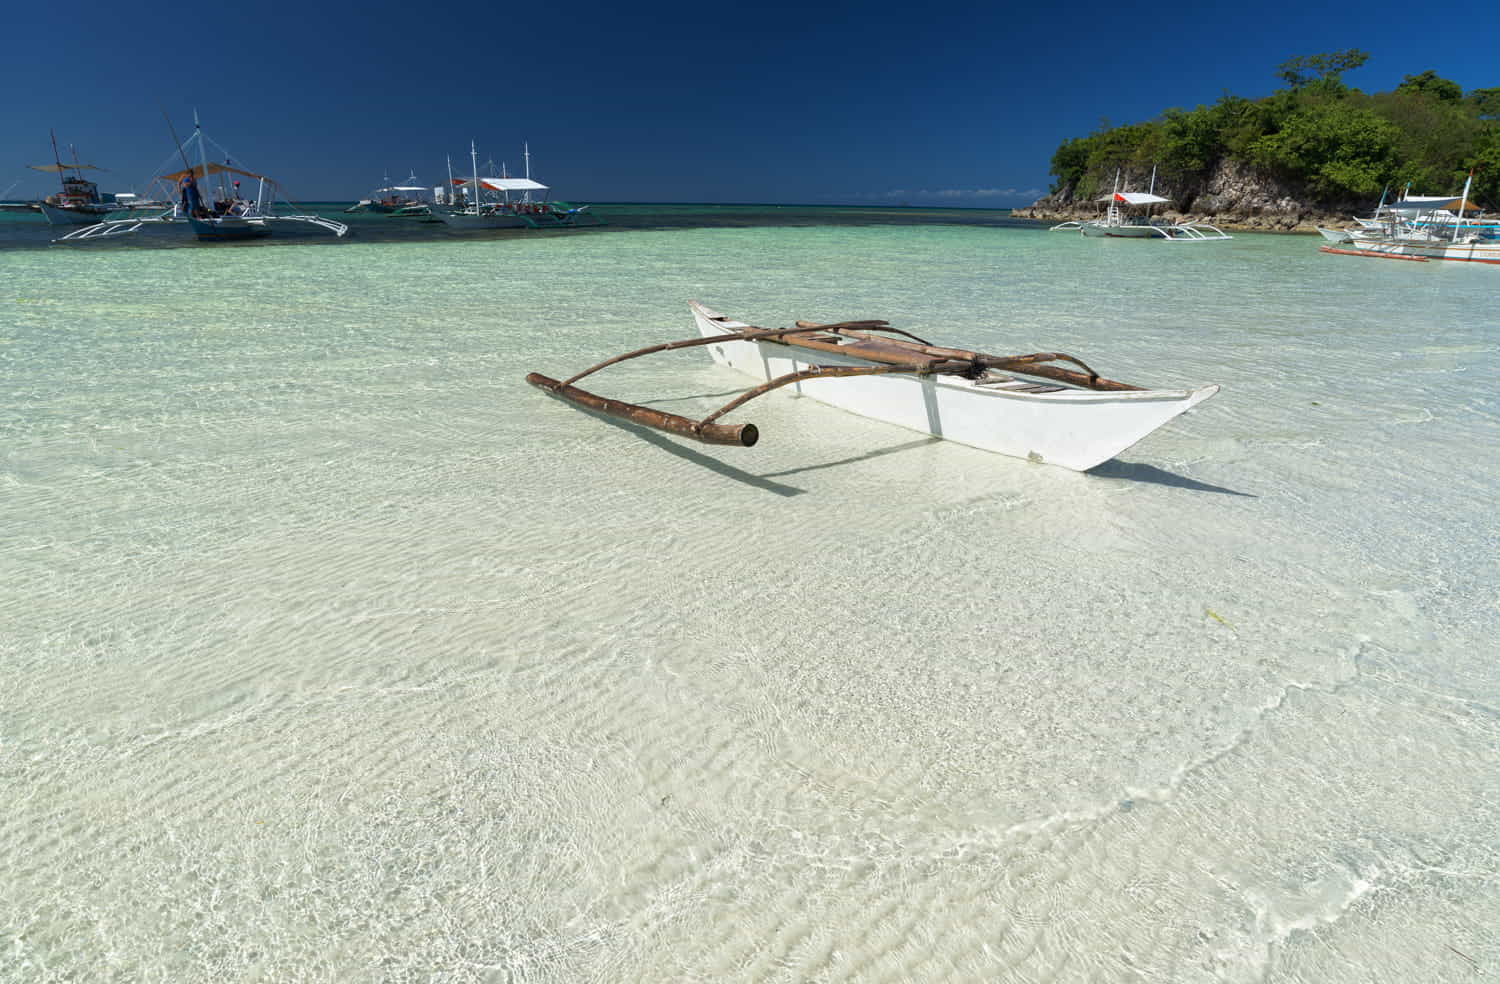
point(503, 184)
point(1134, 198)
point(1425, 203)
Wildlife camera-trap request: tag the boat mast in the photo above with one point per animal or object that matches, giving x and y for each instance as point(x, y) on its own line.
point(474, 160)
point(1462, 206)
point(526, 148)
point(57, 160)
point(202, 149)
point(181, 153)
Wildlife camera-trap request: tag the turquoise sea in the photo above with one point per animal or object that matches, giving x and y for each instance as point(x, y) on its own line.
point(334, 652)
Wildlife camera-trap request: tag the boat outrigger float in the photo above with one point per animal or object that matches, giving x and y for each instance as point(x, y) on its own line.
point(1076, 419)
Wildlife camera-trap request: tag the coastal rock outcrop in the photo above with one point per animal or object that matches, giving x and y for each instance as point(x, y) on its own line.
point(1233, 196)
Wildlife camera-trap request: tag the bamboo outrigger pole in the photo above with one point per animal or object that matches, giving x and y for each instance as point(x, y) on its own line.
point(913, 358)
point(706, 430)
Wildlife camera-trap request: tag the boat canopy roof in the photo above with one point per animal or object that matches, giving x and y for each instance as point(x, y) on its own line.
point(1429, 203)
point(403, 188)
point(59, 168)
point(1135, 198)
point(203, 170)
point(503, 184)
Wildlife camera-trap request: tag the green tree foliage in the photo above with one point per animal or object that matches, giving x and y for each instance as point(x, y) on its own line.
point(1437, 137)
point(1337, 142)
point(1486, 102)
point(1337, 149)
point(1430, 84)
point(1305, 70)
point(1486, 164)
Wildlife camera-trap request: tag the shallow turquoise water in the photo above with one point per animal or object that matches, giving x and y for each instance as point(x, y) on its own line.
point(335, 652)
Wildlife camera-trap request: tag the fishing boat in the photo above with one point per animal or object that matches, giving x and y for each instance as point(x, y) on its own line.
point(1025, 406)
point(227, 214)
point(79, 202)
point(503, 202)
point(1127, 215)
point(1418, 228)
point(1435, 213)
point(399, 201)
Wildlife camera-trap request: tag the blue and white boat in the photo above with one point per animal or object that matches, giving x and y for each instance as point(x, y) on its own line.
point(212, 205)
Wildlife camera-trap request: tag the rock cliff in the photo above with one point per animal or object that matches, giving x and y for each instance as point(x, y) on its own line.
point(1232, 196)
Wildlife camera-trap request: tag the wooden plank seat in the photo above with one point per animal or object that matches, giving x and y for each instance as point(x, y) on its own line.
point(1013, 385)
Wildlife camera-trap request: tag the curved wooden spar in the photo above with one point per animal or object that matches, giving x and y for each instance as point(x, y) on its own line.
point(832, 372)
point(750, 335)
point(849, 328)
point(1030, 365)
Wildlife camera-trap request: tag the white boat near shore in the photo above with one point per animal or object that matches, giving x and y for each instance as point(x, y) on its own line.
point(1042, 420)
point(1127, 215)
point(1419, 228)
point(79, 202)
point(1024, 406)
point(227, 216)
point(504, 202)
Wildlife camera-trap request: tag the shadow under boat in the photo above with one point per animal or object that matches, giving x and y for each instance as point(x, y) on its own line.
point(1135, 472)
point(1114, 468)
point(660, 440)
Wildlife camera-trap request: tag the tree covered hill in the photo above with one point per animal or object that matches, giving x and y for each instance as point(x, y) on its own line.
point(1314, 146)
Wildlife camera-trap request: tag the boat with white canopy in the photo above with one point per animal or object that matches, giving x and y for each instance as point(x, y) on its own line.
point(1444, 214)
point(1128, 216)
point(401, 201)
point(1421, 228)
point(504, 202)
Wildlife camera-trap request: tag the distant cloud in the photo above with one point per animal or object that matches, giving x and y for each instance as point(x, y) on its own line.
point(953, 194)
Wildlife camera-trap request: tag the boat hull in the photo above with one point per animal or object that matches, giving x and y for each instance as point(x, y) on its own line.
point(550, 216)
point(1474, 251)
point(229, 228)
point(1074, 428)
point(497, 220)
point(77, 214)
point(1099, 231)
point(1182, 232)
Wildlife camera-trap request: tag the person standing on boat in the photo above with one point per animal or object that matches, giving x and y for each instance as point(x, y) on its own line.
point(192, 202)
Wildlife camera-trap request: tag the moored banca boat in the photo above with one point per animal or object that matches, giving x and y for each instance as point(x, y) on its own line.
point(1061, 416)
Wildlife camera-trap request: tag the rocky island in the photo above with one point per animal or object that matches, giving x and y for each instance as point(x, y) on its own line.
point(1312, 153)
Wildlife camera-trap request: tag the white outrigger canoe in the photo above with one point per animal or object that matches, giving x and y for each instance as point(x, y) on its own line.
point(1058, 416)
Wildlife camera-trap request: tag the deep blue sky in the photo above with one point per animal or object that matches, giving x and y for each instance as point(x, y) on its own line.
point(957, 103)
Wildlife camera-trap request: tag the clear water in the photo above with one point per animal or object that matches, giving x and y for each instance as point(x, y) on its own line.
point(332, 651)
